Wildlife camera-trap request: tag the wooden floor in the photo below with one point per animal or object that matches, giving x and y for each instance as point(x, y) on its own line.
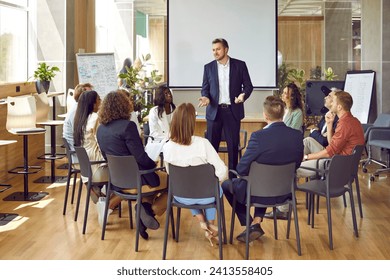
point(41, 232)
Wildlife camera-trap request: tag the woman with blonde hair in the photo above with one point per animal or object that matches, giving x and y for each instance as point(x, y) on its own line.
point(185, 149)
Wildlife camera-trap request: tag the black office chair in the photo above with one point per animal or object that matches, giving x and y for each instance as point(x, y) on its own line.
point(381, 122)
point(269, 181)
point(194, 182)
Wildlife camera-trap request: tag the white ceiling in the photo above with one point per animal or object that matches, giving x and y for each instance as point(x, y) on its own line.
point(285, 7)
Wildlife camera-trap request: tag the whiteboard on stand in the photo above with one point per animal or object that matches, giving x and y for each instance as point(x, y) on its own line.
point(360, 84)
point(99, 70)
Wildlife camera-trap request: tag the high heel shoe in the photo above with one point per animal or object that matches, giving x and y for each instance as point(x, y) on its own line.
point(208, 233)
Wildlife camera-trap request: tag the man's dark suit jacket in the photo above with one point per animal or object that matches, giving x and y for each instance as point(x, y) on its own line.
point(276, 144)
point(316, 134)
point(239, 82)
point(121, 138)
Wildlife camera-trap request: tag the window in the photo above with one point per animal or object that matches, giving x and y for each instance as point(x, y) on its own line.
point(13, 42)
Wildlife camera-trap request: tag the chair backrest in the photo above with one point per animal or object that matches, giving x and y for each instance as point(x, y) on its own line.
point(85, 163)
point(339, 173)
point(68, 151)
point(193, 181)
point(271, 180)
point(357, 154)
point(43, 107)
point(124, 171)
point(21, 112)
point(146, 129)
point(70, 99)
point(383, 120)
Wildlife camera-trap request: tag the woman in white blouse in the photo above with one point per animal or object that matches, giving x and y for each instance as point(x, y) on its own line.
point(160, 115)
point(185, 149)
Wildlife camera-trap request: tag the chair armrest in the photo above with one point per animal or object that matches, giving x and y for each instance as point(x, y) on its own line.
point(151, 170)
point(245, 137)
point(379, 133)
point(98, 162)
point(238, 175)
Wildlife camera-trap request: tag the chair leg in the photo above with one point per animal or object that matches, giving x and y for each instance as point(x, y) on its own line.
point(86, 207)
point(353, 212)
point(130, 214)
point(275, 223)
point(308, 207)
point(220, 219)
point(289, 221)
point(232, 219)
point(297, 235)
point(105, 214)
point(78, 200)
point(312, 210)
point(168, 214)
point(178, 215)
point(247, 231)
point(137, 221)
point(74, 186)
point(318, 204)
point(172, 224)
point(358, 196)
point(223, 221)
point(66, 193)
point(344, 201)
point(329, 223)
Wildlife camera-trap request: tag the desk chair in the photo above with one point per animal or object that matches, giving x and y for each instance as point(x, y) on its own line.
point(380, 137)
point(21, 118)
point(42, 119)
point(382, 121)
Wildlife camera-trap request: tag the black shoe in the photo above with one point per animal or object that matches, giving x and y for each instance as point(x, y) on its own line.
point(279, 215)
point(142, 231)
point(147, 217)
point(255, 232)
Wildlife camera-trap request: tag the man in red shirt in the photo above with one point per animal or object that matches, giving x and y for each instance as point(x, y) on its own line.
point(348, 133)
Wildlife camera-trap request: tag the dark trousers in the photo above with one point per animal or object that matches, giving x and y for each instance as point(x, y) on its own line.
point(225, 122)
point(237, 187)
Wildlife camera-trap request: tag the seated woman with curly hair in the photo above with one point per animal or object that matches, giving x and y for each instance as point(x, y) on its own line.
point(118, 136)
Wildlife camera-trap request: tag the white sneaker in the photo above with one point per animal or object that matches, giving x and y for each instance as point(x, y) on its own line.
point(100, 206)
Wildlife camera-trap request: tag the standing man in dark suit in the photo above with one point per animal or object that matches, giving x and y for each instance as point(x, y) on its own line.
point(275, 144)
point(226, 85)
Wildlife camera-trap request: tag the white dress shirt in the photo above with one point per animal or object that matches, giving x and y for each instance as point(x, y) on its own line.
point(199, 152)
point(223, 80)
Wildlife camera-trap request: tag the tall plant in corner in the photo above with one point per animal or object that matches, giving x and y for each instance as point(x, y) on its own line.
point(139, 81)
point(43, 75)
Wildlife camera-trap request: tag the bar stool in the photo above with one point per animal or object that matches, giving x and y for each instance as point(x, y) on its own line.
point(21, 117)
point(42, 119)
point(5, 218)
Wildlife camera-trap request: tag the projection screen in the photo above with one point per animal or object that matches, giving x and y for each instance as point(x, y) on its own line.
point(249, 26)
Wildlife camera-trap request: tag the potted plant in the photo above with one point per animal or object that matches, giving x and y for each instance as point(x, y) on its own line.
point(141, 84)
point(43, 75)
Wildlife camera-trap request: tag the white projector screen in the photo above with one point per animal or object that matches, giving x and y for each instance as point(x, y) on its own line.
point(249, 26)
